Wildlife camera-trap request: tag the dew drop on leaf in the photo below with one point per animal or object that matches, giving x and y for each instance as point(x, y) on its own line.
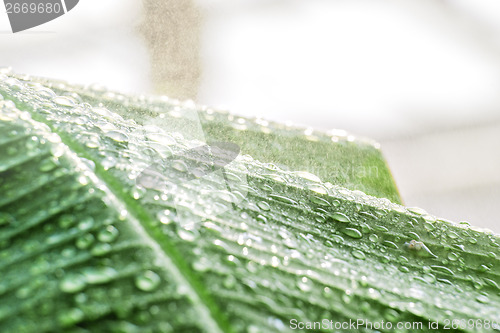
point(263, 205)
point(99, 275)
point(108, 235)
point(452, 256)
point(353, 232)
point(358, 254)
point(100, 249)
point(64, 101)
point(84, 241)
point(340, 217)
point(482, 299)
point(86, 224)
point(147, 281)
point(305, 284)
point(117, 136)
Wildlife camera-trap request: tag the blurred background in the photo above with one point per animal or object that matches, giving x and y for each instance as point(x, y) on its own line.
point(422, 77)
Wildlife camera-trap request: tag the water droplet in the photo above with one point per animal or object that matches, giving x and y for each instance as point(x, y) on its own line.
point(117, 136)
point(414, 235)
point(429, 278)
point(429, 227)
point(472, 240)
point(380, 228)
point(420, 249)
point(160, 137)
point(14, 84)
point(319, 201)
point(180, 165)
point(483, 268)
point(86, 224)
point(73, 283)
point(358, 255)
point(352, 232)
point(365, 228)
point(275, 262)
point(305, 284)
point(84, 241)
point(165, 216)
point(99, 275)
point(403, 269)
point(64, 101)
point(340, 217)
point(108, 162)
point(138, 192)
point(347, 298)
point(442, 269)
point(337, 238)
point(416, 210)
point(391, 315)
point(317, 188)
point(491, 283)
point(48, 165)
point(147, 281)
point(482, 299)
point(373, 238)
point(283, 199)
point(452, 256)
point(390, 244)
point(187, 235)
point(100, 249)
point(108, 235)
point(45, 92)
point(263, 205)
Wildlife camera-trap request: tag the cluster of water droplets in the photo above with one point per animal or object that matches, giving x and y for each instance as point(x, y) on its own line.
point(69, 249)
point(290, 239)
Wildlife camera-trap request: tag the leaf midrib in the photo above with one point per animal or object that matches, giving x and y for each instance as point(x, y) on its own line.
point(143, 218)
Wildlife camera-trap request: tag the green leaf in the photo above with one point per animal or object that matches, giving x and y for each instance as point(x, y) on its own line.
point(253, 248)
point(336, 157)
